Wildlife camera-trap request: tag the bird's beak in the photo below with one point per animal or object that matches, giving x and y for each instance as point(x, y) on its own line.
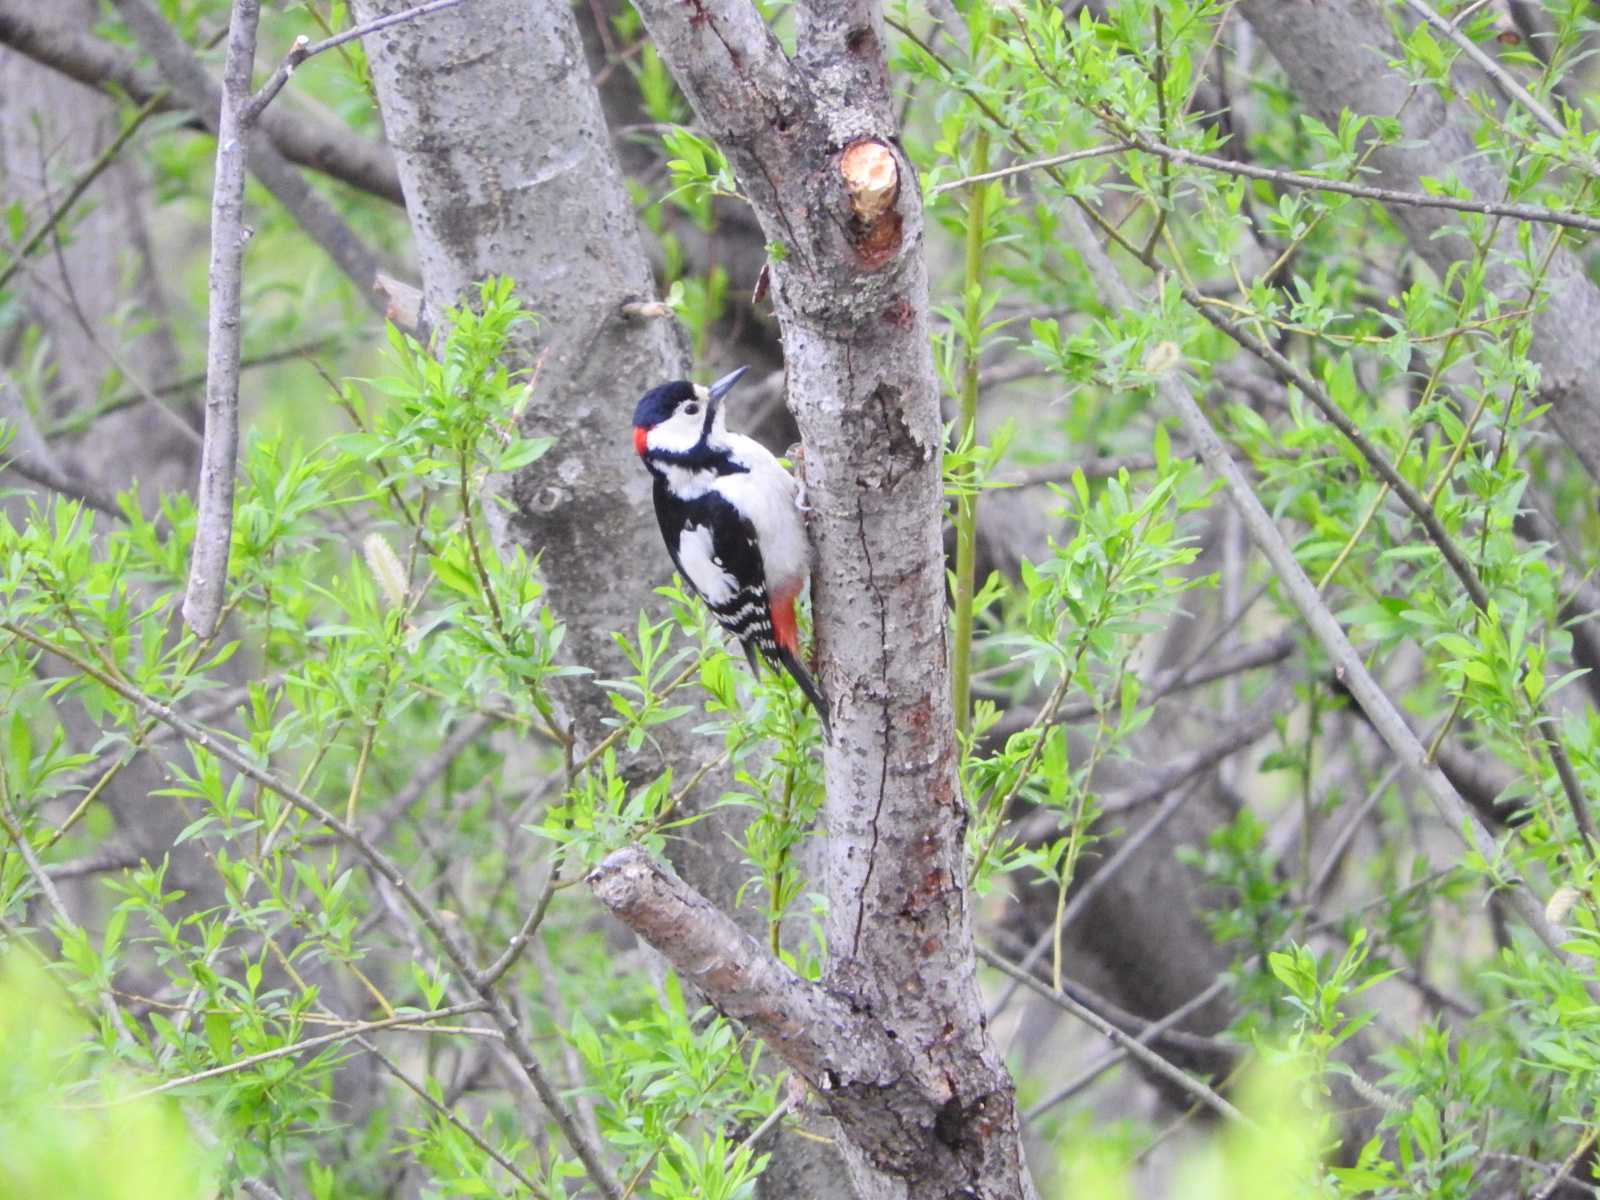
point(718, 390)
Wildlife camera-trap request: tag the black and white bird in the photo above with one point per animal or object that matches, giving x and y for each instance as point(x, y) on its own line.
point(731, 518)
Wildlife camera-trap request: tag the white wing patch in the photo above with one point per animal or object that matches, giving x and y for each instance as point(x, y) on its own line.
point(700, 564)
point(765, 494)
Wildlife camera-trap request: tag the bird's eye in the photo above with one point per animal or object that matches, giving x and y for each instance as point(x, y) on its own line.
point(691, 409)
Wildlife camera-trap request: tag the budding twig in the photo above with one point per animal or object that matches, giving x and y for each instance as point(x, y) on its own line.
point(305, 48)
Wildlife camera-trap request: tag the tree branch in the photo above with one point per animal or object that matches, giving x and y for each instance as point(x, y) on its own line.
point(29, 456)
point(304, 49)
point(813, 144)
point(311, 1043)
point(1314, 183)
point(213, 538)
point(1132, 1045)
point(834, 1046)
point(79, 186)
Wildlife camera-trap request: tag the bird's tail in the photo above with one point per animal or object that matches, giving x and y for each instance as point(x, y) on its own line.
point(791, 664)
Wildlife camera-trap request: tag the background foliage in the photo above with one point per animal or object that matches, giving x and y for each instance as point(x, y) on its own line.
point(1120, 652)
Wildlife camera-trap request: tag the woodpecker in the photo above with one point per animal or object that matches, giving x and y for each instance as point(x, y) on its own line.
point(730, 515)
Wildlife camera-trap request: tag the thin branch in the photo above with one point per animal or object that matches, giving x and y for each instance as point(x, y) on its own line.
point(47, 889)
point(491, 974)
point(1036, 165)
point(473, 1135)
point(1104, 467)
point(1290, 179)
point(38, 281)
point(213, 538)
point(1207, 669)
point(1132, 1045)
point(304, 48)
point(1548, 1188)
point(178, 62)
point(1115, 1055)
point(47, 476)
point(77, 422)
point(107, 860)
point(289, 1051)
point(426, 773)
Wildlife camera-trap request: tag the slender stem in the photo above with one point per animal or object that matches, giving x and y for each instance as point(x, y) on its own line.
point(967, 439)
point(208, 568)
point(289, 1051)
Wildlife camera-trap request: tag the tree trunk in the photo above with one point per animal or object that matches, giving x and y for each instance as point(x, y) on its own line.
point(926, 1106)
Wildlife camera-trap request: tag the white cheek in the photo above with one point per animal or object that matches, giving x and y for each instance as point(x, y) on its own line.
point(679, 433)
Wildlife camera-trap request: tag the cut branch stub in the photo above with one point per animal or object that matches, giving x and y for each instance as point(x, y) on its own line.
point(872, 179)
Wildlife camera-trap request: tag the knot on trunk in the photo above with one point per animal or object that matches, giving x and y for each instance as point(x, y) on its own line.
point(872, 181)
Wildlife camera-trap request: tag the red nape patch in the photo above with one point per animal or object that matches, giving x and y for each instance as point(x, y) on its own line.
point(783, 624)
point(641, 437)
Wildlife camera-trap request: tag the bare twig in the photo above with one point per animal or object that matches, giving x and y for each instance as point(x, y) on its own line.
point(426, 774)
point(80, 420)
point(305, 48)
point(472, 1134)
point(314, 214)
point(79, 186)
point(1036, 165)
point(213, 538)
point(47, 476)
point(1291, 179)
point(47, 889)
point(38, 281)
point(1132, 1045)
point(491, 974)
point(111, 859)
point(1548, 1188)
point(1112, 1057)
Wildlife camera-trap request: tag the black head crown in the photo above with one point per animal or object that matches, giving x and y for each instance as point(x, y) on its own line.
point(659, 403)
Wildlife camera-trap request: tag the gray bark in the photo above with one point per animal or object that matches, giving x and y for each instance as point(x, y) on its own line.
point(1336, 53)
point(811, 142)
